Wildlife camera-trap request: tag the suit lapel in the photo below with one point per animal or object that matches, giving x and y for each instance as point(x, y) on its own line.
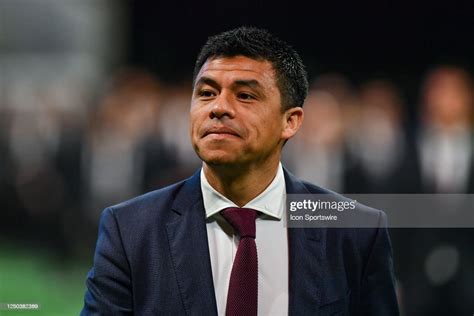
point(307, 260)
point(187, 237)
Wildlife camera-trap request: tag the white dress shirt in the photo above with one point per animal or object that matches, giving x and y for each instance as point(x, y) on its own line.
point(271, 240)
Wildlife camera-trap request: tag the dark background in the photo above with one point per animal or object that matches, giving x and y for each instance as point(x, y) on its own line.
point(361, 39)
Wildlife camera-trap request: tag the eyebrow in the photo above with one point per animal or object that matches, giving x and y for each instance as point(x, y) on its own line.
point(251, 83)
point(206, 80)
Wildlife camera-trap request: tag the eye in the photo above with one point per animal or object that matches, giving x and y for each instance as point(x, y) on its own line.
point(245, 96)
point(206, 93)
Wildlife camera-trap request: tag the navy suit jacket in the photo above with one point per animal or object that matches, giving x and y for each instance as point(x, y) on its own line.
point(152, 258)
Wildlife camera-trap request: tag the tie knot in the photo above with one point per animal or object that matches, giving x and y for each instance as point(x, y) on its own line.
point(242, 219)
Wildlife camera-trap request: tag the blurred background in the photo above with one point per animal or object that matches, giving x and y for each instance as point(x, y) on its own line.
point(94, 98)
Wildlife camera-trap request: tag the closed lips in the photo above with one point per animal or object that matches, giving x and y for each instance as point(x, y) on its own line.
point(220, 130)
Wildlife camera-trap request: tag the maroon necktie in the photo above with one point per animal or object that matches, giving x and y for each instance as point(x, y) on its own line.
point(243, 287)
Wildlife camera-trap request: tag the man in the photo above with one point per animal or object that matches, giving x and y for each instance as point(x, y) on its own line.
point(174, 251)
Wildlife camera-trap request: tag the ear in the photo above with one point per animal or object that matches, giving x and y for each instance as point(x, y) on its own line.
point(293, 119)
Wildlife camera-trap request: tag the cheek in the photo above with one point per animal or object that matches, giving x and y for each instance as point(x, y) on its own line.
point(195, 119)
point(266, 131)
point(194, 131)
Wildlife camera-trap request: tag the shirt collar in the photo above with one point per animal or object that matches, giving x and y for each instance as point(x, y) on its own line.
point(269, 202)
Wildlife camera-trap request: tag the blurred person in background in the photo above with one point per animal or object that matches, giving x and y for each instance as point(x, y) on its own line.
point(125, 155)
point(331, 124)
point(445, 139)
point(437, 272)
point(382, 157)
point(316, 154)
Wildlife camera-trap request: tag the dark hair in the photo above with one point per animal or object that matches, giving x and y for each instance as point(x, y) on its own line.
point(259, 44)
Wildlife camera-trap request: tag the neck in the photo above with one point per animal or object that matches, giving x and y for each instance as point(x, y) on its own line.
point(240, 185)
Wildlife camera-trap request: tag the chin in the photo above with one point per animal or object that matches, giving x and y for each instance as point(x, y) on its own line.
point(218, 157)
point(219, 160)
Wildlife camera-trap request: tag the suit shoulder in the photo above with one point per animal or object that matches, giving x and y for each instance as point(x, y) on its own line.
point(154, 200)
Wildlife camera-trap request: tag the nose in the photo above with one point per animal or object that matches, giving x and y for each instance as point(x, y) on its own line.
point(222, 107)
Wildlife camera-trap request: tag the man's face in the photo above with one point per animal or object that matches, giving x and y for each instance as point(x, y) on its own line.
point(236, 116)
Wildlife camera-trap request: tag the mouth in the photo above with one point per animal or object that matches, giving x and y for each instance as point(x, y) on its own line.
point(221, 131)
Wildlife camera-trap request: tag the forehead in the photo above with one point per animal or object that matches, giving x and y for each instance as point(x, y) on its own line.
point(238, 67)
